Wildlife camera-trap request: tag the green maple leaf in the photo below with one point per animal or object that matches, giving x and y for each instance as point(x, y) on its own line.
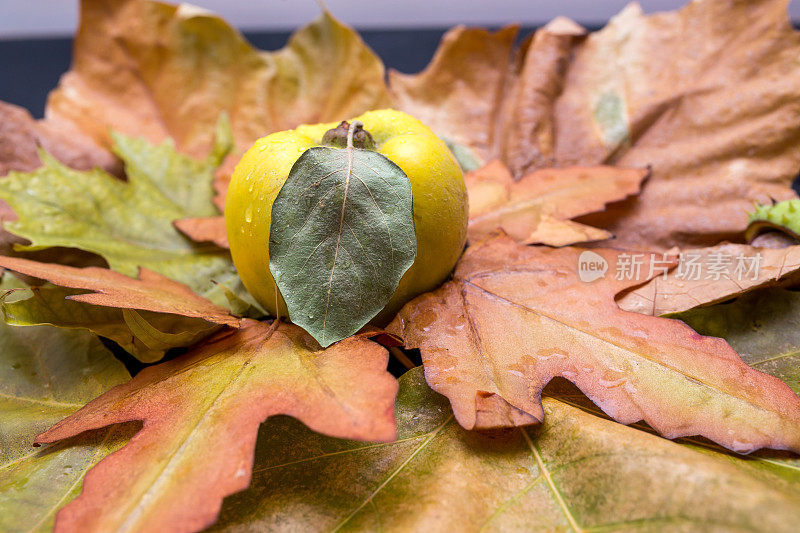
point(47, 373)
point(129, 223)
point(575, 472)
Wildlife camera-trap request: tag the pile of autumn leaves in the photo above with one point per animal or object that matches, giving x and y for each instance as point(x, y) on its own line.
point(657, 130)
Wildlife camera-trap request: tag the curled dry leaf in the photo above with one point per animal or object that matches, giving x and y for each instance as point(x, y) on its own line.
point(151, 292)
point(670, 90)
point(201, 415)
point(21, 136)
point(537, 208)
point(205, 229)
point(144, 334)
point(514, 317)
point(161, 71)
point(730, 270)
point(575, 472)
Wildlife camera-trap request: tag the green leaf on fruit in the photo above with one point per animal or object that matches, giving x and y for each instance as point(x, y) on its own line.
point(342, 237)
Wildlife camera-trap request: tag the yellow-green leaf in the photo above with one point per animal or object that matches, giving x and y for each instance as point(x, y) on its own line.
point(576, 472)
point(47, 373)
point(130, 224)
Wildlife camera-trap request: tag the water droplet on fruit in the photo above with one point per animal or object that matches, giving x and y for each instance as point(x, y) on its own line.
point(248, 214)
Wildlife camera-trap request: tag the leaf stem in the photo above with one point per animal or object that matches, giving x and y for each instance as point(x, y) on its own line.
point(401, 356)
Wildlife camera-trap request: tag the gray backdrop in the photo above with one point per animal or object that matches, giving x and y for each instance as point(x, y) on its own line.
point(23, 18)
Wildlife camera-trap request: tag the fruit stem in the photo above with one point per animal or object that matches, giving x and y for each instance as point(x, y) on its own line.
point(351, 130)
point(347, 135)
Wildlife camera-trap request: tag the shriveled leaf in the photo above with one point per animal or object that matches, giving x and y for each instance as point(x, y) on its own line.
point(127, 223)
point(201, 414)
point(669, 90)
point(204, 67)
point(151, 292)
point(576, 472)
point(342, 237)
point(763, 326)
point(205, 229)
point(144, 334)
point(710, 275)
point(774, 239)
point(514, 317)
point(45, 374)
point(717, 134)
point(537, 208)
point(21, 136)
point(456, 101)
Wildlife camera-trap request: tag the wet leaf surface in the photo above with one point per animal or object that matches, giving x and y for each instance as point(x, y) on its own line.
point(47, 373)
point(576, 472)
point(342, 237)
point(514, 317)
point(709, 275)
point(201, 414)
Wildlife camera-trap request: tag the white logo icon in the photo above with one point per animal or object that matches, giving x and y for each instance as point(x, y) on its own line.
point(591, 266)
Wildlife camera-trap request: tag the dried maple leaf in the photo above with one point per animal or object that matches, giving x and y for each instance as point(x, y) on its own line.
point(147, 335)
point(741, 268)
point(537, 208)
point(456, 102)
point(575, 472)
point(204, 229)
point(204, 67)
point(514, 317)
point(21, 136)
point(669, 90)
point(151, 292)
point(144, 334)
point(201, 414)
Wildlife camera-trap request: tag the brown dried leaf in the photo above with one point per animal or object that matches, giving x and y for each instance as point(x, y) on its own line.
point(671, 90)
point(537, 208)
point(680, 291)
point(201, 415)
point(21, 135)
point(514, 317)
point(151, 292)
point(204, 229)
point(157, 70)
point(457, 93)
